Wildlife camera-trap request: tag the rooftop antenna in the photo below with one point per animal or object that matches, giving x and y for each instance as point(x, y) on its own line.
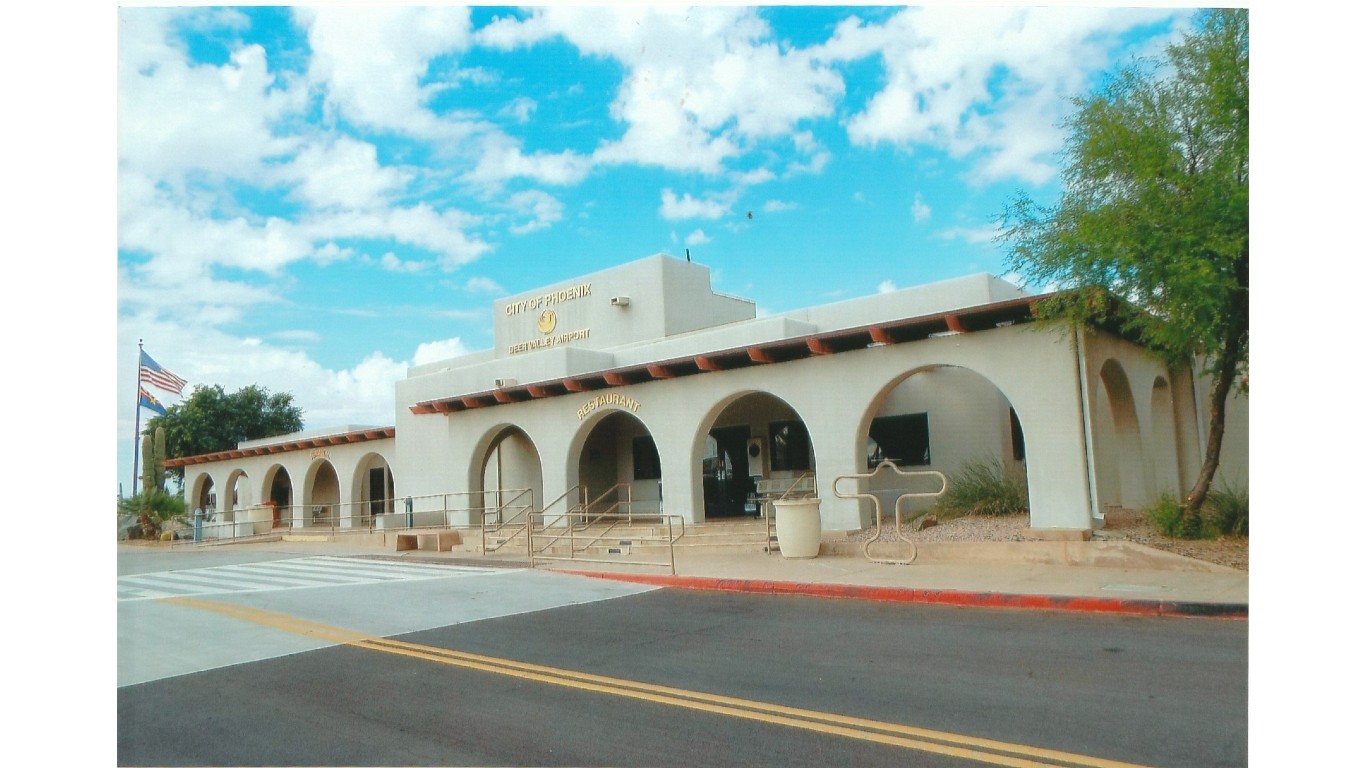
point(687, 253)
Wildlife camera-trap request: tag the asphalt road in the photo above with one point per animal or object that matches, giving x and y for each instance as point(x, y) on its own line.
point(533, 668)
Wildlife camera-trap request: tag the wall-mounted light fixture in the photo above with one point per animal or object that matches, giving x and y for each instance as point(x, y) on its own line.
point(621, 301)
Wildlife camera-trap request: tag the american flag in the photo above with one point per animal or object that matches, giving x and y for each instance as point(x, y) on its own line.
point(151, 373)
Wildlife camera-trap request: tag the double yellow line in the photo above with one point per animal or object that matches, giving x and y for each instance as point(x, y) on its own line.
point(891, 734)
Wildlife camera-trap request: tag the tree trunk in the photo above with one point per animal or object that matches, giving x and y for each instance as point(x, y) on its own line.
point(1234, 345)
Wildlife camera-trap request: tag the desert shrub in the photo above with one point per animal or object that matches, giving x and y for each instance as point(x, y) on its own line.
point(983, 487)
point(1165, 515)
point(1224, 514)
point(1226, 511)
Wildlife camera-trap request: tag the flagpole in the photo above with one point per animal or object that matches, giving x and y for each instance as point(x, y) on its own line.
point(137, 418)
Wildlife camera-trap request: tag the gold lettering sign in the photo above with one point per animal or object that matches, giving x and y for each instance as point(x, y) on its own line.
point(546, 300)
point(610, 398)
point(548, 341)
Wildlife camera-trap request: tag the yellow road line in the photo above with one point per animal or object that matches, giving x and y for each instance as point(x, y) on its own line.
point(938, 742)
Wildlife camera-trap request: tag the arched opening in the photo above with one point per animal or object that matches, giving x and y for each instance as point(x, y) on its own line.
point(372, 490)
point(1162, 432)
point(239, 495)
point(204, 497)
point(756, 440)
point(1118, 447)
point(323, 494)
point(279, 496)
point(943, 418)
point(618, 466)
point(510, 477)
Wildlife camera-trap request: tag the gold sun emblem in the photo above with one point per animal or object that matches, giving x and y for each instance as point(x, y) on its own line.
point(546, 323)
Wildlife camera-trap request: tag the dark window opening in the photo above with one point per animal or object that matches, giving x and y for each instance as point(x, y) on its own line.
point(1017, 436)
point(645, 458)
point(903, 440)
point(789, 446)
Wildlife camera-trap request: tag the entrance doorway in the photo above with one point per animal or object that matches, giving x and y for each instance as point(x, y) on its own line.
point(726, 484)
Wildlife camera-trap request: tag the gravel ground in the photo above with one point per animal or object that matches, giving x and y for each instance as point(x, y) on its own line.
point(1126, 525)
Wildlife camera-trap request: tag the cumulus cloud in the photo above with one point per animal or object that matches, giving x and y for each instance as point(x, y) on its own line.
point(944, 67)
point(886, 286)
point(538, 209)
point(700, 81)
point(697, 237)
point(342, 173)
point(176, 118)
point(672, 207)
point(434, 351)
point(370, 61)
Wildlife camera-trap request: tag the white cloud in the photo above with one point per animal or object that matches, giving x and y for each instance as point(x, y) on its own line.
point(175, 118)
point(370, 61)
point(392, 263)
point(343, 173)
point(539, 208)
point(697, 237)
point(700, 81)
point(500, 158)
point(434, 351)
point(886, 286)
point(673, 208)
point(519, 109)
point(945, 68)
point(483, 285)
point(920, 212)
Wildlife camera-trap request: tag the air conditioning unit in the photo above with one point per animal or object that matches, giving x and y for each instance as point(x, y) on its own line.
point(502, 383)
point(621, 301)
point(754, 447)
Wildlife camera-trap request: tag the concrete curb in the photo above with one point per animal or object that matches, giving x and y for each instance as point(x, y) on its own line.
point(1174, 608)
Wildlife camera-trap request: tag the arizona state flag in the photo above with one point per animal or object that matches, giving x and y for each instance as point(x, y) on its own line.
point(146, 400)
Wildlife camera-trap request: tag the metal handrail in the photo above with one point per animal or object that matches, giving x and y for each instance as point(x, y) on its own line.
point(877, 504)
point(539, 547)
point(487, 528)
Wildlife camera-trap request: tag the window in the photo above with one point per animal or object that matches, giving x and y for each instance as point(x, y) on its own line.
point(645, 458)
point(789, 447)
point(903, 440)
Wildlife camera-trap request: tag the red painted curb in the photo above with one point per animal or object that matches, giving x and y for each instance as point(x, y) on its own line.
point(934, 596)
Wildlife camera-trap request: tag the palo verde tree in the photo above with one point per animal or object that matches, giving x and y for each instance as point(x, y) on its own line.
point(211, 419)
point(1151, 231)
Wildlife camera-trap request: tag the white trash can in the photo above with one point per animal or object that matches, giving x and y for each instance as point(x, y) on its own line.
point(799, 527)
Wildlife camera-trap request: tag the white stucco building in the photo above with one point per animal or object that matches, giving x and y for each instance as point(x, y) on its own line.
point(641, 384)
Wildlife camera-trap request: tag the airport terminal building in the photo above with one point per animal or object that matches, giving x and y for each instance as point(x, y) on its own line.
point(640, 388)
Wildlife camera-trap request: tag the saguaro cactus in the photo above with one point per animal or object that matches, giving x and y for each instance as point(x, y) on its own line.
point(154, 461)
point(148, 474)
point(159, 459)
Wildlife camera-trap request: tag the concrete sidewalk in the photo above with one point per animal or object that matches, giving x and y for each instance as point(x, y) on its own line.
point(1077, 576)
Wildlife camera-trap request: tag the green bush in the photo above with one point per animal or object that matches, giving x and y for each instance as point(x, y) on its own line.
point(1165, 515)
point(983, 487)
point(1226, 511)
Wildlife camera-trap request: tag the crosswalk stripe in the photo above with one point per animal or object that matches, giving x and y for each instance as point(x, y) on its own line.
point(274, 575)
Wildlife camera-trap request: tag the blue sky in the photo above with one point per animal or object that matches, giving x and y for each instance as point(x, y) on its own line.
point(314, 199)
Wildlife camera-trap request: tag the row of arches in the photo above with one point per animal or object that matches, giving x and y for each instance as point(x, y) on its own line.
point(938, 416)
point(370, 492)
